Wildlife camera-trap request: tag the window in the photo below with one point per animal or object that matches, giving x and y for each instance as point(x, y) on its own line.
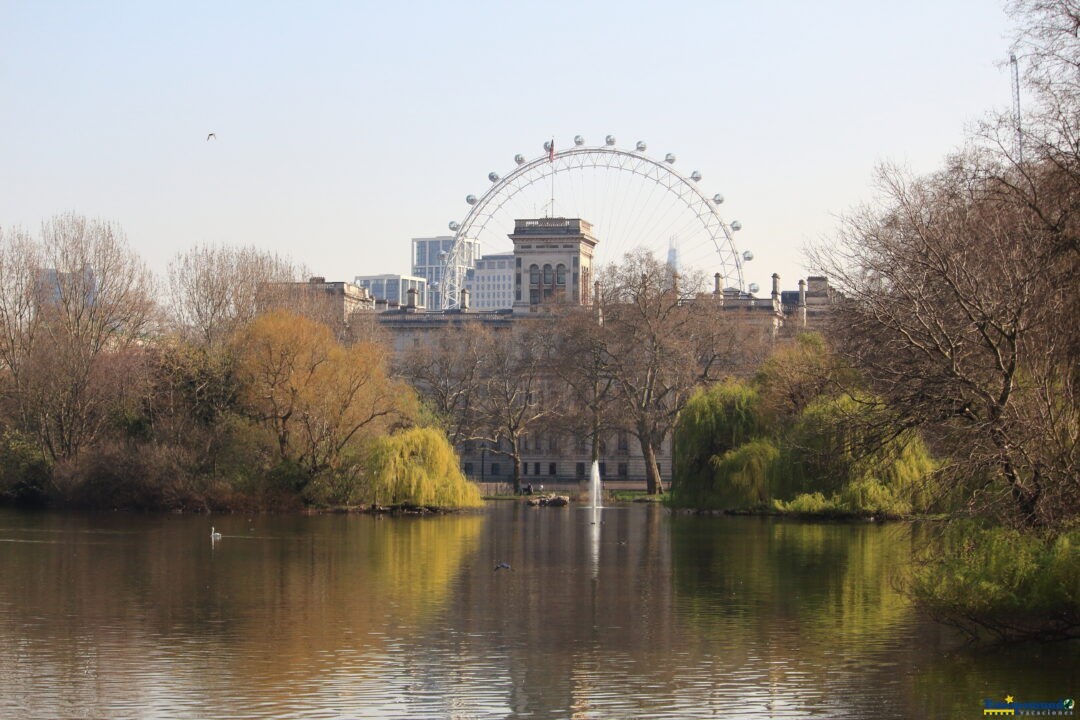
point(553, 444)
point(468, 468)
point(579, 470)
point(622, 470)
point(494, 468)
point(524, 468)
point(551, 468)
point(548, 277)
point(536, 468)
point(560, 275)
point(623, 441)
point(603, 469)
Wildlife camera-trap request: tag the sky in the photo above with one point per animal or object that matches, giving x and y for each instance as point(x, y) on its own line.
point(345, 129)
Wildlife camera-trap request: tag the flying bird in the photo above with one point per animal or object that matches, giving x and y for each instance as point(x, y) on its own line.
point(211, 136)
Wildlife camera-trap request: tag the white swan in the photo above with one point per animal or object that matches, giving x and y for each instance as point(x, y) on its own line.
point(214, 535)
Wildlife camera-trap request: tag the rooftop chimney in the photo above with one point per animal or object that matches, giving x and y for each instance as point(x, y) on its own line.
point(716, 284)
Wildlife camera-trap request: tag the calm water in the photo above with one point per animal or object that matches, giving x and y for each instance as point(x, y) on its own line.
point(645, 615)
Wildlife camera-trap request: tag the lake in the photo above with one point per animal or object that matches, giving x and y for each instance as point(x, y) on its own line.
point(645, 614)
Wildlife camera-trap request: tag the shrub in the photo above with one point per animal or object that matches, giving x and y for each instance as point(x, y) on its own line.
point(1001, 581)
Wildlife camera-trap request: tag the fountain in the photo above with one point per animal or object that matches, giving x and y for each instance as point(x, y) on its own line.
point(594, 488)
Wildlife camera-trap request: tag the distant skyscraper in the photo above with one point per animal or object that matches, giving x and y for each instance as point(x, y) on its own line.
point(673, 254)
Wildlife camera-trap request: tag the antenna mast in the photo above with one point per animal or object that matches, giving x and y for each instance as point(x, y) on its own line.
point(1015, 67)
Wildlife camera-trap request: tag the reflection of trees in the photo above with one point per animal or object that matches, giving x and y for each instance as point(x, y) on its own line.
point(796, 605)
point(263, 614)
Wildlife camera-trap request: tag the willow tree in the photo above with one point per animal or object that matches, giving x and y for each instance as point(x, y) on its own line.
point(418, 467)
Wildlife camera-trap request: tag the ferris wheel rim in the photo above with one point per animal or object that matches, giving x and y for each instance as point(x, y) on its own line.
point(712, 222)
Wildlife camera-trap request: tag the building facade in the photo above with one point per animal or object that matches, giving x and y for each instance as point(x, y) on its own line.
point(552, 262)
point(393, 289)
point(491, 282)
point(429, 260)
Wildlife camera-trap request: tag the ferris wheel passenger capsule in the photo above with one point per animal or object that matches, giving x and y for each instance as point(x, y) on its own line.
point(519, 159)
point(695, 176)
point(736, 225)
point(748, 256)
point(493, 176)
point(547, 146)
point(578, 140)
point(754, 287)
point(669, 158)
point(718, 199)
point(640, 146)
point(454, 225)
point(471, 199)
point(609, 140)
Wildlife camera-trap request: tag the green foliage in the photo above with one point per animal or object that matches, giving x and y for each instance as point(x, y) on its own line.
point(419, 467)
point(829, 453)
point(716, 421)
point(25, 474)
point(731, 452)
point(1009, 583)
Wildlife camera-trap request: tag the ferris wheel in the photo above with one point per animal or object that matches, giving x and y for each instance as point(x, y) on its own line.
point(632, 200)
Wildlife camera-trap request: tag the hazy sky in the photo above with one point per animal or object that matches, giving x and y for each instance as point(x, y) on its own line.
point(344, 129)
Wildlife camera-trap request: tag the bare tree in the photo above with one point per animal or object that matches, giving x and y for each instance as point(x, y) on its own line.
point(957, 322)
point(71, 300)
point(581, 362)
point(662, 340)
point(215, 290)
point(448, 371)
point(516, 394)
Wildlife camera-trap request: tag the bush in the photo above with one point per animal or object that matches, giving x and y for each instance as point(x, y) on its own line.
point(1002, 582)
point(25, 474)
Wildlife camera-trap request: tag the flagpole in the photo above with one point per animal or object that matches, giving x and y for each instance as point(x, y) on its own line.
point(551, 161)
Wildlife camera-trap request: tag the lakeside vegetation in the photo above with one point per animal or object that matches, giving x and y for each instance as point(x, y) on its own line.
point(251, 393)
point(951, 378)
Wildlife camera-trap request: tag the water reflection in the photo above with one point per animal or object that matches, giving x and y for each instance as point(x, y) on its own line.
point(639, 615)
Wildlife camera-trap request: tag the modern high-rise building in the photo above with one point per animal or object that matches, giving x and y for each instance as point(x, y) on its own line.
point(429, 260)
point(491, 282)
point(393, 288)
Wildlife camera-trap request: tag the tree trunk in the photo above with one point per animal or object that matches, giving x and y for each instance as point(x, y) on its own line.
point(517, 471)
point(653, 483)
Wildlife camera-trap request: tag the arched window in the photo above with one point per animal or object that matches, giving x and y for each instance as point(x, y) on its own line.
point(560, 275)
point(534, 275)
point(547, 276)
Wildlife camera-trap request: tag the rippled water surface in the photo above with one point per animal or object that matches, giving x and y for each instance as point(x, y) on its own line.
point(644, 614)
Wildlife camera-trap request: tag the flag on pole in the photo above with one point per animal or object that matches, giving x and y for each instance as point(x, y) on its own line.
point(551, 151)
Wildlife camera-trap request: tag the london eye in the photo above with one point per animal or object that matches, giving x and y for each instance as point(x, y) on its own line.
point(634, 201)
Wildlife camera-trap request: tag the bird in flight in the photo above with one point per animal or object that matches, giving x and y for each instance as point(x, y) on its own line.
point(211, 136)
